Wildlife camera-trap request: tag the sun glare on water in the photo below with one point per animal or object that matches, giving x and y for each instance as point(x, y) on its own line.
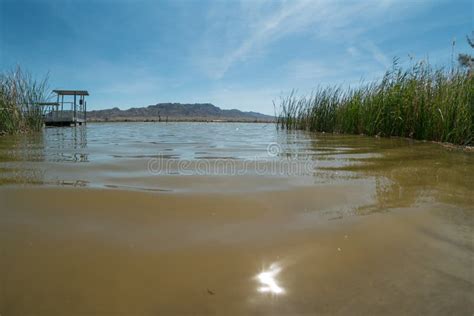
point(267, 279)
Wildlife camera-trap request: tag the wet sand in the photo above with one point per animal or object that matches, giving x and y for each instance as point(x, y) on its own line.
point(134, 253)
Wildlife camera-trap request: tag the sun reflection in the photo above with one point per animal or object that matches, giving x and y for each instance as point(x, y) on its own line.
point(268, 281)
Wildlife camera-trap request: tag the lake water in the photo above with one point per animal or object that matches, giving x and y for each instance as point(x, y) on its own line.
point(232, 218)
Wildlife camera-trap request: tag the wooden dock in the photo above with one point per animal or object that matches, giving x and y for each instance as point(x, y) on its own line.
point(66, 113)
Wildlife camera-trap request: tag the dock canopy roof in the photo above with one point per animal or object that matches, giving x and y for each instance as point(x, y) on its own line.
point(71, 92)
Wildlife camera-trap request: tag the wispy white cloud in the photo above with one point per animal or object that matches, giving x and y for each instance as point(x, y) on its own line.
point(288, 17)
point(377, 54)
point(262, 23)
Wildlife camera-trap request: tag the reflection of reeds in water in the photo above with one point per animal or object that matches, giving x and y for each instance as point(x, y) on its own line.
point(19, 98)
point(403, 173)
point(415, 174)
point(419, 102)
point(18, 154)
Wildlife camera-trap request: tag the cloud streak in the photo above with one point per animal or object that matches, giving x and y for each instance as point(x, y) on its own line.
point(264, 24)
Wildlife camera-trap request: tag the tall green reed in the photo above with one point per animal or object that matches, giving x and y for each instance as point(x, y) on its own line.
point(20, 94)
point(418, 102)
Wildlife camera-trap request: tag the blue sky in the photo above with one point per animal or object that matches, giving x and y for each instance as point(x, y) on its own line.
point(234, 54)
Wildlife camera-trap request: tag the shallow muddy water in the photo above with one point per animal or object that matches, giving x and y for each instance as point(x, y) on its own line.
point(227, 218)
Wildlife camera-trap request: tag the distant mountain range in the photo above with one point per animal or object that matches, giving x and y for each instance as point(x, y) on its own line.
point(177, 112)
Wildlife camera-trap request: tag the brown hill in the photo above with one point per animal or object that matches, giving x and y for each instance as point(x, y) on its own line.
point(177, 112)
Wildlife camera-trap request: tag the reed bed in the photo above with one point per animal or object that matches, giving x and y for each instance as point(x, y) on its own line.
point(20, 94)
point(418, 102)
